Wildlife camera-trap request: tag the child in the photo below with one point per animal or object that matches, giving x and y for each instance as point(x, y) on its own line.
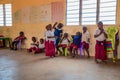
point(101, 36)
point(21, 37)
point(75, 44)
point(34, 45)
point(116, 45)
point(85, 41)
point(50, 40)
point(64, 42)
point(41, 46)
point(58, 33)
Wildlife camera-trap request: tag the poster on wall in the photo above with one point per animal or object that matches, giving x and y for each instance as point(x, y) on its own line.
point(25, 15)
point(34, 15)
point(57, 11)
point(45, 13)
point(17, 17)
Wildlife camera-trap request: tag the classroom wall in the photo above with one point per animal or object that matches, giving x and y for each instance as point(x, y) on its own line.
point(39, 28)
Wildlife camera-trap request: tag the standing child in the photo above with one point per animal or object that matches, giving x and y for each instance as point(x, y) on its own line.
point(76, 44)
point(101, 36)
point(85, 41)
point(21, 37)
point(64, 42)
point(50, 40)
point(58, 33)
point(34, 45)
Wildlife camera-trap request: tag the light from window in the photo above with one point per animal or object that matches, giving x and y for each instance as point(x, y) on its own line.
point(1, 15)
point(89, 11)
point(8, 15)
point(108, 11)
point(73, 12)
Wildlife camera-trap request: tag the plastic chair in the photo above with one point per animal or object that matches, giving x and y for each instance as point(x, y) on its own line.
point(66, 52)
point(110, 43)
point(20, 44)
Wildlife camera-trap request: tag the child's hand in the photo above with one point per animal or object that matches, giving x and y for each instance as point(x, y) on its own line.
point(89, 40)
point(56, 23)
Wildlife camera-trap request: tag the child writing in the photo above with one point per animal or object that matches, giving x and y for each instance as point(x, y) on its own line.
point(85, 41)
point(64, 42)
point(21, 37)
point(50, 40)
point(101, 36)
point(75, 44)
point(58, 33)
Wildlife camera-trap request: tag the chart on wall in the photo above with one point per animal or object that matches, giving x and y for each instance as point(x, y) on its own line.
point(17, 17)
point(34, 15)
point(25, 15)
point(57, 11)
point(44, 13)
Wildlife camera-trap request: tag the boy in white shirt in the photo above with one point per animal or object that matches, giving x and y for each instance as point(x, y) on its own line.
point(85, 41)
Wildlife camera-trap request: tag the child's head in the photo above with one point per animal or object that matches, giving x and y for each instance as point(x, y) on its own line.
point(65, 35)
point(41, 40)
point(60, 25)
point(21, 33)
point(84, 28)
point(78, 33)
point(100, 25)
point(34, 39)
point(49, 27)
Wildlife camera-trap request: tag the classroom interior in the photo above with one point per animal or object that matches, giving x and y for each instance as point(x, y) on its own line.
point(20, 65)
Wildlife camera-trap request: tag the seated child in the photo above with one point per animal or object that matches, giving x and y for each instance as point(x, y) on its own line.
point(21, 37)
point(40, 48)
point(34, 45)
point(64, 42)
point(75, 44)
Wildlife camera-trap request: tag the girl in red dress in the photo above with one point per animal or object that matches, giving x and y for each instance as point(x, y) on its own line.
point(100, 50)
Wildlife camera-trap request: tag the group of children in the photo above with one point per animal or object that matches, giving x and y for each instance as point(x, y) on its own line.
point(56, 42)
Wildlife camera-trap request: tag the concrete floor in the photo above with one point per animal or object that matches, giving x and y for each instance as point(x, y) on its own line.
point(19, 65)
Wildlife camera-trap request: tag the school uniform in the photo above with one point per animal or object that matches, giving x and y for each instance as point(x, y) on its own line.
point(85, 37)
point(50, 44)
point(100, 50)
point(76, 42)
point(40, 48)
point(33, 47)
point(57, 32)
point(64, 43)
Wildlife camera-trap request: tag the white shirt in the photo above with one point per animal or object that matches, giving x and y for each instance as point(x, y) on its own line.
point(41, 46)
point(100, 37)
point(85, 37)
point(49, 33)
point(64, 41)
point(33, 45)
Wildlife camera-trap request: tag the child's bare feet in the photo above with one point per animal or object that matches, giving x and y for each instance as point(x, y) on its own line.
point(96, 61)
point(33, 52)
point(104, 61)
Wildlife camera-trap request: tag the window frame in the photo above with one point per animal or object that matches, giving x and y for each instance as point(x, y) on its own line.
point(97, 14)
point(4, 16)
